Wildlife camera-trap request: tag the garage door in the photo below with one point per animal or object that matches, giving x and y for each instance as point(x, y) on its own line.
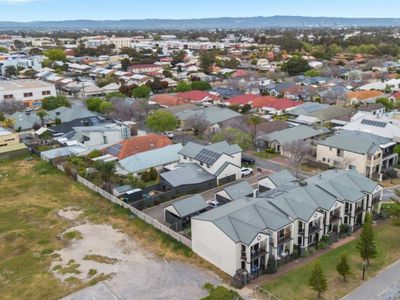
point(227, 179)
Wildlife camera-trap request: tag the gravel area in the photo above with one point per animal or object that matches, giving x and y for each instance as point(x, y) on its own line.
point(135, 273)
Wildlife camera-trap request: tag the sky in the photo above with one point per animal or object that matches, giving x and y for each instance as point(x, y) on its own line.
point(44, 10)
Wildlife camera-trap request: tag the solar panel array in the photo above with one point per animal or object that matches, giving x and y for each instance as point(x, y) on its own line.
point(95, 121)
point(114, 149)
point(373, 123)
point(70, 135)
point(207, 156)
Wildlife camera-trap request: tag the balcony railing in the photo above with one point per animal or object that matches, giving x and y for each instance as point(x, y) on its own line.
point(301, 231)
point(257, 253)
point(313, 229)
point(359, 209)
point(333, 218)
point(285, 238)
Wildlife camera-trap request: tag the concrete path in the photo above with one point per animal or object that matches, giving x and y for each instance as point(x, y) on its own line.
point(384, 286)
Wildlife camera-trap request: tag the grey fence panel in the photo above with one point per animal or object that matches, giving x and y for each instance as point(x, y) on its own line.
point(155, 223)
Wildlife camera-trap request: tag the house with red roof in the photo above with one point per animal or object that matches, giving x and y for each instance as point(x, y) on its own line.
point(395, 97)
point(167, 100)
point(265, 104)
point(137, 144)
point(196, 96)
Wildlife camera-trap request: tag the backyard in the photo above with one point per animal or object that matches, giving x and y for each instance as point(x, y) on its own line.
point(33, 233)
point(294, 285)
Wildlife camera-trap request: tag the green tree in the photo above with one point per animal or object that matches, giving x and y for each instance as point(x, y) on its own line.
point(312, 73)
point(41, 114)
point(3, 50)
point(141, 92)
point(53, 102)
point(10, 71)
point(234, 136)
point(183, 87)
point(105, 171)
point(94, 154)
point(161, 121)
point(57, 121)
point(8, 123)
point(145, 176)
point(366, 242)
point(153, 174)
point(207, 60)
point(296, 65)
point(386, 102)
point(55, 54)
point(106, 107)
point(254, 121)
point(317, 280)
point(201, 85)
point(93, 103)
point(125, 63)
point(343, 267)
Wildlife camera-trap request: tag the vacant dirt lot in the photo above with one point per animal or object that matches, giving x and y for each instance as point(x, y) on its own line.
point(49, 224)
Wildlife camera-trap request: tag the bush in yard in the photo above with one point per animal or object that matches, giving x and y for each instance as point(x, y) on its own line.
point(153, 174)
point(94, 154)
point(271, 266)
point(220, 293)
point(146, 176)
point(321, 245)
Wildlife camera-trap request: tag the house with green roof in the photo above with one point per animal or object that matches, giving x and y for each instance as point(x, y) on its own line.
point(367, 153)
point(238, 237)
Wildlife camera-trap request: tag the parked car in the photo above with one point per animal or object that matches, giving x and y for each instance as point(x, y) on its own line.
point(213, 204)
point(246, 172)
point(248, 160)
point(169, 134)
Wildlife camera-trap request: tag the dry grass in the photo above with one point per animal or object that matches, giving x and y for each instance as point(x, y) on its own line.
point(31, 194)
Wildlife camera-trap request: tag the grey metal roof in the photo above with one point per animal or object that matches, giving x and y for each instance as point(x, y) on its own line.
point(289, 135)
point(68, 114)
point(282, 177)
point(356, 141)
point(192, 149)
point(153, 158)
point(190, 205)
point(186, 175)
point(307, 108)
point(244, 218)
point(239, 190)
point(212, 115)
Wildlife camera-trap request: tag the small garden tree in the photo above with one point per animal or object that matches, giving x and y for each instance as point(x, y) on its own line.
point(317, 280)
point(153, 174)
point(161, 121)
point(366, 242)
point(343, 267)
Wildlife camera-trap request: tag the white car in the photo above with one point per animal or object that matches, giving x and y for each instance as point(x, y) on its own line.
point(213, 204)
point(246, 172)
point(169, 134)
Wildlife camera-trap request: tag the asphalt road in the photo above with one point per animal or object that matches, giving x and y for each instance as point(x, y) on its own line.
point(384, 286)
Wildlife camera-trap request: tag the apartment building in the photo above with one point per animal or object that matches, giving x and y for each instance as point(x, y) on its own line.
point(30, 92)
point(367, 153)
point(240, 236)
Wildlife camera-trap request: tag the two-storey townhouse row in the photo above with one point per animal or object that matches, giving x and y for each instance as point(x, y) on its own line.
point(240, 235)
point(367, 153)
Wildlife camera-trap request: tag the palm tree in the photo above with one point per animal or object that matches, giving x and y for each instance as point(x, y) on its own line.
point(41, 115)
point(255, 121)
point(106, 171)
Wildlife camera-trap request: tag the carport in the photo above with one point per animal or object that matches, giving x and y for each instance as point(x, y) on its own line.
point(178, 214)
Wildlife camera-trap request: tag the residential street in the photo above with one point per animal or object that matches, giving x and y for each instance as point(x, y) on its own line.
point(384, 286)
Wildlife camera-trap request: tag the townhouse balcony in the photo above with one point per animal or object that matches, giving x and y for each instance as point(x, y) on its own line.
point(359, 210)
point(283, 239)
point(301, 231)
point(257, 253)
point(313, 229)
point(334, 218)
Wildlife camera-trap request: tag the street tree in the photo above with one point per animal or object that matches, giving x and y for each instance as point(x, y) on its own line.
point(198, 123)
point(317, 281)
point(366, 242)
point(343, 267)
point(299, 150)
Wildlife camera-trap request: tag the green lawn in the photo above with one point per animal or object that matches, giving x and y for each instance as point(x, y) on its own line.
point(31, 194)
point(266, 155)
point(294, 285)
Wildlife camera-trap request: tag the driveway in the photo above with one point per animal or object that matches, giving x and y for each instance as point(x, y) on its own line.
point(384, 286)
point(157, 212)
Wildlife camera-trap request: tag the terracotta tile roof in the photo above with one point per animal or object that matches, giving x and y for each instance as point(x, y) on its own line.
point(168, 100)
point(396, 95)
point(363, 95)
point(196, 96)
point(266, 101)
point(137, 145)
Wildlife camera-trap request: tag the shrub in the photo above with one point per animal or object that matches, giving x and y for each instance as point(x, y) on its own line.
point(146, 176)
point(271, 266)
point(153, 174)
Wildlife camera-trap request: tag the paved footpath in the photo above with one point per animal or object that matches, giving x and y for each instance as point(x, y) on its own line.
point(384, 286)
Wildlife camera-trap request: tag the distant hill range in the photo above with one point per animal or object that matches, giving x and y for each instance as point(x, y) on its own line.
point(207, 23)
